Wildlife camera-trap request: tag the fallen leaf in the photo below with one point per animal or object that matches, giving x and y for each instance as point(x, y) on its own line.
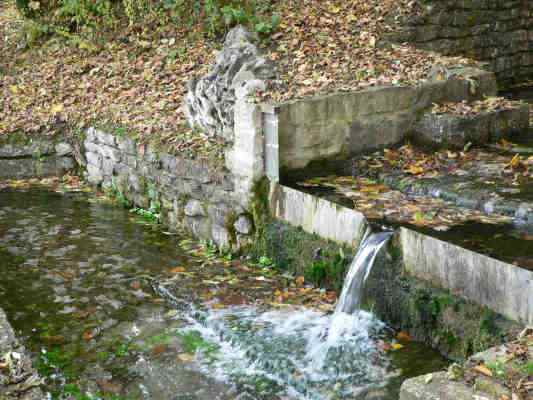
point(481, 368)
point(186, 357)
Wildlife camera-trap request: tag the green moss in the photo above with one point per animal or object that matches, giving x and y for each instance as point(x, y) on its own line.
point(259, 205)
point(527, 368)
point(192, 341)
point(16, 138)
point(229, 224)
point(300, 253)
point(328, 271)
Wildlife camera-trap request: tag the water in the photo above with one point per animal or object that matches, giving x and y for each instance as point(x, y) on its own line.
point(350, 298)
point(78, 284)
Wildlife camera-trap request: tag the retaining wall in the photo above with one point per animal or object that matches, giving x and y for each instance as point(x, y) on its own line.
point(24, 157)
point(499, 32)
point(212, 200)
point(503, 288)
point(339, 125)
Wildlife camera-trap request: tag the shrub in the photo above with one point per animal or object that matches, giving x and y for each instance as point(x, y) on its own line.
point(215, 16)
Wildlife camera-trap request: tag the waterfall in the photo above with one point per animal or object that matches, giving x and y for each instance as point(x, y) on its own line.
point(360, 268)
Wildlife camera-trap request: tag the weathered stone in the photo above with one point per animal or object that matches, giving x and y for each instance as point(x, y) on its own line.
point(436, 386)
point(126, 145)
point(194, 208)
point(136, 183)
point(198, 226)
point(22, 168)
point(218, 213)
point(94, 159)
point(220, 236)
point(26, 147)
point(94, 173)
point(105, 138)
point(63, 149)
point(210, 100)
point(111, 153)
point(91, 146)
point(19, 380)
point(107, 167)
point(458, 270)
point(451, 130)
point(457, 130)
point(243, 225)
point(318, 216)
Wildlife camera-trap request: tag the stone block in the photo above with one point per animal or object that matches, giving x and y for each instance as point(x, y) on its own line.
point(94, 159)
point(104, 138)
point(111, 153)
point(243, 225)
point(221, 236)
point(195, 208)
point(471, 275)
point(452, 130)
point(373, 132)
point(63, 149)
point(94, 174)
point(437, 386)
point(200, 227)
point(127, 145)
point(107, 167)
point(317, 216)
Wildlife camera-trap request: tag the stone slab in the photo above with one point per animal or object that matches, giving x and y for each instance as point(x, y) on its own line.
point(457, 130)
point(317, 216)
point(502, 287)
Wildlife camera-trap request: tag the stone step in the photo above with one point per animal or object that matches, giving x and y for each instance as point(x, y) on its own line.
point(477, 123)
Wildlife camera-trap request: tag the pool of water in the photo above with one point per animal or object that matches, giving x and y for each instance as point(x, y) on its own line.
point(84, 284)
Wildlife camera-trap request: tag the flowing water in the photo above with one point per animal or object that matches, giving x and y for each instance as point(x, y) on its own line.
point(350, 298)
point(85, 284)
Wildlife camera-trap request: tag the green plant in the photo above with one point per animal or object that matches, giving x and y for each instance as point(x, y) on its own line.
point(265, 262)
point(327, 271)
point(193, 341)
point(497, 368)
point(135, 10)
point(527, 368)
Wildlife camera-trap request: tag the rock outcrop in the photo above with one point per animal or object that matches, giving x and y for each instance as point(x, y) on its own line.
point(239, 68)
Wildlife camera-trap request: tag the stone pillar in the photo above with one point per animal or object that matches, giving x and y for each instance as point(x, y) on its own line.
point(246, 159)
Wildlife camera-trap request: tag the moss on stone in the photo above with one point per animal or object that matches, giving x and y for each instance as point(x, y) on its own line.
point(298, 252)
point(451, 324)
point(229, 224)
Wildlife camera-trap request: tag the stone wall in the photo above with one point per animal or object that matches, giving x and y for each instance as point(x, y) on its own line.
point(192, 194)
point(499, 32)
point(502, 287)
point(343, 124)
point(24, 157)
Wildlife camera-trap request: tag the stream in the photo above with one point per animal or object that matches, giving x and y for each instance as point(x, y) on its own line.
point(85, 284)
